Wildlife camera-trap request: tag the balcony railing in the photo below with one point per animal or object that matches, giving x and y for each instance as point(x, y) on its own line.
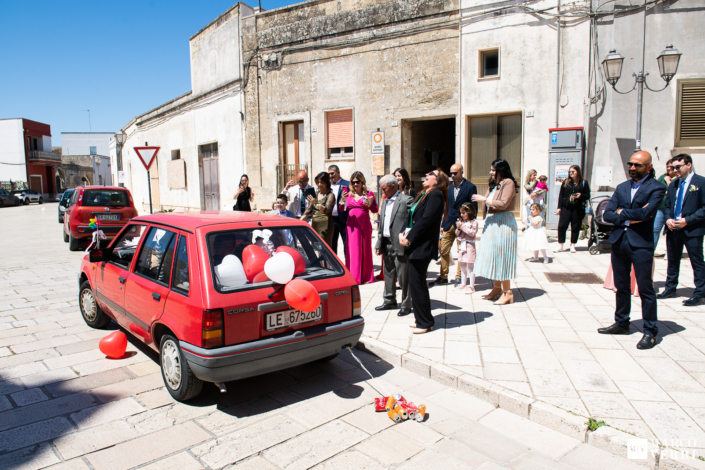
point(46, 156)
point(287, 173)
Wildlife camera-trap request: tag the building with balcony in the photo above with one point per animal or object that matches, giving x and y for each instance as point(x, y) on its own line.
point(26, 157)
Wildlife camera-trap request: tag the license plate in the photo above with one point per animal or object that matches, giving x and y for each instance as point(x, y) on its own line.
point(287, 318)
point(107, 216)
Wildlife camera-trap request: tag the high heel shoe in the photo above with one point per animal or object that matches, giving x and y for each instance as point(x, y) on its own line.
point(495, 292)
point(507, 298)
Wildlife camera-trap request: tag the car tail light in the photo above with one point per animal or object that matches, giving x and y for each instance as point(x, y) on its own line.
point(132, 203)
point(212, 334)
point(357, 304)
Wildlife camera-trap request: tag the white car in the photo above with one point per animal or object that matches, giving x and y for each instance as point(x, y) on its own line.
point(28, 195)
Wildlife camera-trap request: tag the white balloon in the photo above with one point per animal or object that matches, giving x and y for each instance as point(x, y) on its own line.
point(230, 272)
point(280, 268)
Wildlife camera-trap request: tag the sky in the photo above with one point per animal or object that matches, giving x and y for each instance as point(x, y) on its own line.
point(116, 59)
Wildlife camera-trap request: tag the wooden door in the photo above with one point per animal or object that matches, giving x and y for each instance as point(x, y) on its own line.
point(293, 137)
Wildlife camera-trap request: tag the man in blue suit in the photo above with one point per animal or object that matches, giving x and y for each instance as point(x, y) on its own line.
point(685, 226)
point(632, 210)
point(340, 218)
point(459, 193)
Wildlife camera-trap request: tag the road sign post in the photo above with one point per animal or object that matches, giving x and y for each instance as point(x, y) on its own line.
point(147, 156)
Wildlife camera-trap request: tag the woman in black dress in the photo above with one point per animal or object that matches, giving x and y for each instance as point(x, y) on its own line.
point(244, 195)
point(424, 224)
point(575, 192)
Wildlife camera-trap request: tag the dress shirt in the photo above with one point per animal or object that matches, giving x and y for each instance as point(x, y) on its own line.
point(334, 189)
point(456, 189)
point(388, 215)
point(635, 187)
point(685, 188)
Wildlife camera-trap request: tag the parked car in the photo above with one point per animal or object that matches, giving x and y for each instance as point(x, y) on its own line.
point(64, 203)
point(113, 206)
point(176, 282)
point(8, 199)
point(28, 195)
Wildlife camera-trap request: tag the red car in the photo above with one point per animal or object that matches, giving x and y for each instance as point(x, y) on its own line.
point(111, 204)
point(177, 283)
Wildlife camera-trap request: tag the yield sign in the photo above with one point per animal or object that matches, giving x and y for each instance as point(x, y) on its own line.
point(147, 155)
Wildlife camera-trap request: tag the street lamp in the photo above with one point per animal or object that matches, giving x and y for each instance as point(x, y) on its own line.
point(667, 66)
point(120, 139)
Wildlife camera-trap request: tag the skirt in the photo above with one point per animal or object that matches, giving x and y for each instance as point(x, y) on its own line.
point(535, 239)
point(497, 250)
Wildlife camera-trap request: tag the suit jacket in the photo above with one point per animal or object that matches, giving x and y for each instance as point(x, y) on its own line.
point(640, 235)
point(294, 197)
point(398, 213)
point(342, 215)
point(693, 209)
point(467, 189)
point(423, 237)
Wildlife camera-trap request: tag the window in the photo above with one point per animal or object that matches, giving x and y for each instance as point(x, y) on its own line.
point(225, 251)
point(124, 249)
point(105, 197)
point(94, 151)
point(339, 133)
point(690, 116)
point(489, 63)
point(180, 280)
point(175, 154)
point(208, 150)
point(156, 255)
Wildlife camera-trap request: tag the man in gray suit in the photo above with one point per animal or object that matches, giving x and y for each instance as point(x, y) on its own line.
point(396, 262)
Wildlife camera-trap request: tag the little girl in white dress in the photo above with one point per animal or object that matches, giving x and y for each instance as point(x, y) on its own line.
point(535, 236)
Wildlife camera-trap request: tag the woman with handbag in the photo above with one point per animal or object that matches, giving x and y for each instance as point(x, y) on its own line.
point(574, 192)
point(420, 235)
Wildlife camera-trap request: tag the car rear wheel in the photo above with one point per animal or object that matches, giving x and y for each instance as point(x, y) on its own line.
point(92, 314)
point(66, 237)
point(178, 377)
point(26, 201)
point(73, 243)
point(61, 220)
point(41, 200)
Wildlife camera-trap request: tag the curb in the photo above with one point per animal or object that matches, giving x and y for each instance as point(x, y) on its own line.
point(566, 422)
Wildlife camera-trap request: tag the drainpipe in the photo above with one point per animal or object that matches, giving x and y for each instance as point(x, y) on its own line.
point(558, 64)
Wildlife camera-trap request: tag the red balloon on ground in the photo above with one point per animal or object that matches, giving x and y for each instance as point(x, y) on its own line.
point(114, 345)
point(253, 259)
point(261, 277)
point(301, 295)
point(299, 262)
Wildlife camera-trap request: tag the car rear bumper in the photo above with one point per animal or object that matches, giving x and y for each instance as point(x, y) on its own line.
point(273, 353)
point(87, 231)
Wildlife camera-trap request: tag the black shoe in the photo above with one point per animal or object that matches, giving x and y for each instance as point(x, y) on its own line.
point(393, 306)
point(647, 342)
point(438, 282)
point(404, 312)
point(613, 330)
point(457, 281)
point(667, 294)
point(693, 301)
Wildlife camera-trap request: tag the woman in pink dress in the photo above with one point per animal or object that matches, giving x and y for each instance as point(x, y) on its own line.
point(358, 247)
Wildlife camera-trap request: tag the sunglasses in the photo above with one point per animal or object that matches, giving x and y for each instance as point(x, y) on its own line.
point(303, 181)
point(678, 167)
point(331, 173)
point(430, 174)
point(453, 173)
point(635, 165)
point(355, 182)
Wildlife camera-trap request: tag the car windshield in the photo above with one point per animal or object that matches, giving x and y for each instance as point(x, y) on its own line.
point(105, 197)
point(226, 255)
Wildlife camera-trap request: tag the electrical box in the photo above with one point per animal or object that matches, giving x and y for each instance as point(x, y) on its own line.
point(565, 149)
point(603, 176)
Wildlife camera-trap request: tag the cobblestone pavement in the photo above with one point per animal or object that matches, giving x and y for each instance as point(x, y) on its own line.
point(545, 346)
point(63, 405)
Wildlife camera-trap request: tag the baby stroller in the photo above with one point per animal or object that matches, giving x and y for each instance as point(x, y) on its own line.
point(600, 229)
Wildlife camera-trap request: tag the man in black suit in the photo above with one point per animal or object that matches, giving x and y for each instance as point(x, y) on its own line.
point(340, 218)
point(632, 210)
point(459, 193)
point(685, 226)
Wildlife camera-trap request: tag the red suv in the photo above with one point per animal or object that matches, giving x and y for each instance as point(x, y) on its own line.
point(113, 206)
point(176, 282)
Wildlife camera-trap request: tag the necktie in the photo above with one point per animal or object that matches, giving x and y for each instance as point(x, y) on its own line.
point(303, 202)
point(679, 200)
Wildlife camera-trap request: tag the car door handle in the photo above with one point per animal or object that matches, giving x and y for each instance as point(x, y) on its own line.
point(122, 280)
point(156, 296)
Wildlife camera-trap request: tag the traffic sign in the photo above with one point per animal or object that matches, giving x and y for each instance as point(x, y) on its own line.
point(378, 143)
point(147, 155)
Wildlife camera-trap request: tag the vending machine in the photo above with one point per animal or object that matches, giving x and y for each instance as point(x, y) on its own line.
point(565, 148)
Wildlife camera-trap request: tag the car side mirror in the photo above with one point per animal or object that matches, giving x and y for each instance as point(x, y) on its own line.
point(97, 256)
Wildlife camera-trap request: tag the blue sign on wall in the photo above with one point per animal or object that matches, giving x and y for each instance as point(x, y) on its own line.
point(554, 138)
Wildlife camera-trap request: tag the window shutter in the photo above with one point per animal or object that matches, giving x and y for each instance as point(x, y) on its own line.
point(691, 131)
point(340, 128)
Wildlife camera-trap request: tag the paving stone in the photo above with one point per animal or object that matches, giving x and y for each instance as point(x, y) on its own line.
point(163, 418)
point(47, 409)
point(236, 446)
point(389, 448)
point(74, 464)
point(349, 460)
point(587, 457)
point(29, 458)
point(5, 404)
point(148, 448)
point(48, 377)
point(144, 368)
point(432, 459)
point(589, 376)
point(43, 344)
point(79, 347)
point(503, 355)
point(460, 404)
point(104, 364)
point(89, 382)
point(240, 416)
point(155, 398)
point(370, 422)
point(127, 388)
point(34, 433)
point(74, 359)
point(668, 421)
point(486, 441)
point(536, 461)
point(28, 397)
point(26, 358)
point(459, 452)
point(324, 408)
point(643, 391)
point(96, 438)
point(180, 461)
point(422, 434)
point(100, 414)
point(551, 383)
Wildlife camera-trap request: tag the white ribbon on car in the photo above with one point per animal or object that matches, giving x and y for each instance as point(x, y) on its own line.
point(97, 236)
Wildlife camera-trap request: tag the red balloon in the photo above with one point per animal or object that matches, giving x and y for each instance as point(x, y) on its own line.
point(299, 262)
point(261, 277)
point(301, 295)
point(114, 345)
point(253, 259)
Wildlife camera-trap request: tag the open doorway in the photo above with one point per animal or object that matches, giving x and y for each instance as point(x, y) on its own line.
point(428, 144)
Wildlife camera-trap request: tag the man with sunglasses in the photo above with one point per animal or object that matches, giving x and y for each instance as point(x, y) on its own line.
point(340, 217)
point(632, 209)
point(459, 193)
point(299, 195)
point(685, 226)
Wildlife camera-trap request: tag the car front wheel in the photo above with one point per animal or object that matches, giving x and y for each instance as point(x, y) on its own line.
point(26, 202)
point(73, 243)
point(41, 200)
point(178, 377)
point(92, 314)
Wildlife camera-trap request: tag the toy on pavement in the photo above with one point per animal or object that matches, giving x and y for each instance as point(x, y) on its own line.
point(398, 409)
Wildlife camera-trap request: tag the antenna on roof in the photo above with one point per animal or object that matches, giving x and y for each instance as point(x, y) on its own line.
point(89, 120)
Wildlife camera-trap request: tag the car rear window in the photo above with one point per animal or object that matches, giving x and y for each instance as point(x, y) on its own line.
point(228, 272)
point(105, 197)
